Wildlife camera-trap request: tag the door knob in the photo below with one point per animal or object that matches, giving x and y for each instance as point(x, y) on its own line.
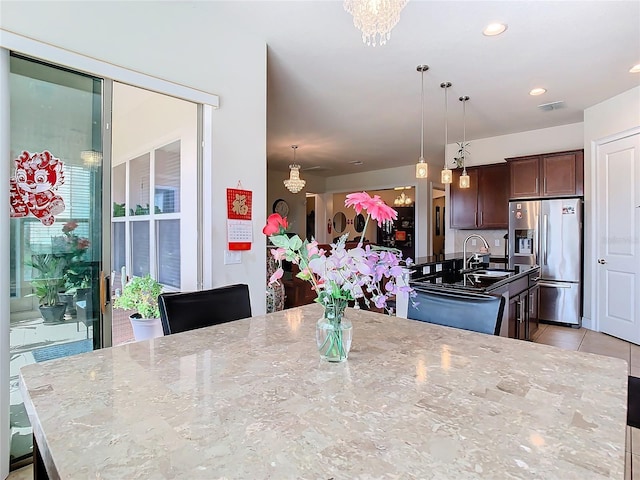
point(602, 261)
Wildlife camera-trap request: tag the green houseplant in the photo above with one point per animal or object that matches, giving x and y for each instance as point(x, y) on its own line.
point(141, 294)
point(48, 280)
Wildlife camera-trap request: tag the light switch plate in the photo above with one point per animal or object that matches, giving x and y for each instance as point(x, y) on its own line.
point(473, 241)
point(232, 257)
point(496, 242)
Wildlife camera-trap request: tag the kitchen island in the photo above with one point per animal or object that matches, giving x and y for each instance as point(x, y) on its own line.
point(251, 399)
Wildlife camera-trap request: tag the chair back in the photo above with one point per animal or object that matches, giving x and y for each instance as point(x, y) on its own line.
point(478, 312)
point(180, 312)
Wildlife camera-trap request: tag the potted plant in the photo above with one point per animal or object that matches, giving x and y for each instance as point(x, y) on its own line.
point(141, 294)
point(47, 283)
point(77, 272)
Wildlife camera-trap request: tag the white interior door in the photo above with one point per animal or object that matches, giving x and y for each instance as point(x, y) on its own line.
point(618, 237)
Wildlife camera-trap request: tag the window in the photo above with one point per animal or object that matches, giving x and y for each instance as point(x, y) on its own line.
point(146, 230)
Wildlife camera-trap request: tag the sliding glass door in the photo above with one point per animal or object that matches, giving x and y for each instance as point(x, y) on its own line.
point(56, 226)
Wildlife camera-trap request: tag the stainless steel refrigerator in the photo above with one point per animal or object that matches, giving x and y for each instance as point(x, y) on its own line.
point(548, 233)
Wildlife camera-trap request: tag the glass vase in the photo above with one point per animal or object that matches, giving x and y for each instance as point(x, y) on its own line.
point(333, 334)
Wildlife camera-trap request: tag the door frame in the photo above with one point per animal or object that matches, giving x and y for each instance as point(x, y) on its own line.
point(595, 282)
point(58, 56)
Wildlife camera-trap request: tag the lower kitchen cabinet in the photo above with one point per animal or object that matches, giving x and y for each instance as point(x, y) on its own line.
point(524, 295)
point(517, 316)
point(534, 320)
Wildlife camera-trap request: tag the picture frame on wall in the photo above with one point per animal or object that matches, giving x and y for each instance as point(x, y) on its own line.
point(437, 220)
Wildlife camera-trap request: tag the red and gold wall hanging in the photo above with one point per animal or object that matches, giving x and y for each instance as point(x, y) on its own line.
point(239, 224)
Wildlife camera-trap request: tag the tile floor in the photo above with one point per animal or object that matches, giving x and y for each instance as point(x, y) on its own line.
point(582, 340)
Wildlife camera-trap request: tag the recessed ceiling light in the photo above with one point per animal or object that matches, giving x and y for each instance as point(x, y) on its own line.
point(537, 91)
point(635, 69)
point(356, 162)
point(494, 29)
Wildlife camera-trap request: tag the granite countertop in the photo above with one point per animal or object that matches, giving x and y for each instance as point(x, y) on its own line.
point(468, 281)
point(251, 399)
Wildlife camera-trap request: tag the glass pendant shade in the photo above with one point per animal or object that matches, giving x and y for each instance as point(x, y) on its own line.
point(465, 181)
point(421, 169)
point(421, 166)
point(446, 176)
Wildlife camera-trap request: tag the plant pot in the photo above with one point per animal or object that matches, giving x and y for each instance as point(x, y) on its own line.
point(145, 328)
point(53, 313)
point(69, 300)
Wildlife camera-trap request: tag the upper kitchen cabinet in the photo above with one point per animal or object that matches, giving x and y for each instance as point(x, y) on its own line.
point(485, 203)
point(547, 175)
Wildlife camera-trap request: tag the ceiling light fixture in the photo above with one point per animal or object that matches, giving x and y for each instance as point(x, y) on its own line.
point(421, 166)
point(494, 29)
point(446, 176)
point(375, 18)
point(294, 183)
point(402, 200)
point(635, 69)
point(537, 91)
point(465, 181)
point(91, 158)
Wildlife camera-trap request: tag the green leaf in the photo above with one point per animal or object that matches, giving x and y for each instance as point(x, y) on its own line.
point(281, 241)
point(295, 243)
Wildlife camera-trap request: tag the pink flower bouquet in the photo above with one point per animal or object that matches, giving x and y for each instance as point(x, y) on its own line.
point(371, 273)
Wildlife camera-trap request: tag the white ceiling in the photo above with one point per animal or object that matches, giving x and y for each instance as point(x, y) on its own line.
point(342, 101)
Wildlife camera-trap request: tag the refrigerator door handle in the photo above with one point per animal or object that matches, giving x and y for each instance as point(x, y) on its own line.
point(554, 284)
point(546, 238)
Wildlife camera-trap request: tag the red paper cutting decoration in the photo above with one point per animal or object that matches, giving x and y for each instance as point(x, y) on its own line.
point(32, 188)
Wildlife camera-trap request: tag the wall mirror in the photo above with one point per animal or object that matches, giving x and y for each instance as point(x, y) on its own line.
point(339, 222)
point(358, 223)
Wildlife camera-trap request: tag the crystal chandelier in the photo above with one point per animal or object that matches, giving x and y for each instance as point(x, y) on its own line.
point(465, 181)
point(375, 18)
point(421, 166)
point(446, 176)
point(294, 183)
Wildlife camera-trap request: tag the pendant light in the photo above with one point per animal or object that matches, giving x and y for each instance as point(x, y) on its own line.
point(465, 181)
point(421, 166)
point(446, 176)
point(294, 183)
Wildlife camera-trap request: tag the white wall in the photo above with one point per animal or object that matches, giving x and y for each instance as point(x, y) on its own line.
point(489, 150)
point(494, 150)
point(611, 117)
point(209, 56)
point(389, 178)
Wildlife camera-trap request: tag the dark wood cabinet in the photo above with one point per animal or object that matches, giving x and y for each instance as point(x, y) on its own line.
point(464, 201)
point(532, 301)
point(518, 319)
point(485, 203)
point(524, 177)
point(523, 306)
point(558, 174)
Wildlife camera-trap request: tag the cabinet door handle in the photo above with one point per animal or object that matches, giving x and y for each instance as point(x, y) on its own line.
point(602, 261)
point(536, 184)
point(545, 185)
point(481, 218)
point(475, 218)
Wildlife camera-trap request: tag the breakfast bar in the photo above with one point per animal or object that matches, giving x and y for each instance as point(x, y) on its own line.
point(252, 399)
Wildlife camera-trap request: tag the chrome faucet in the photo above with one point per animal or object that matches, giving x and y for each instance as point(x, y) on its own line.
point(465, 263)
